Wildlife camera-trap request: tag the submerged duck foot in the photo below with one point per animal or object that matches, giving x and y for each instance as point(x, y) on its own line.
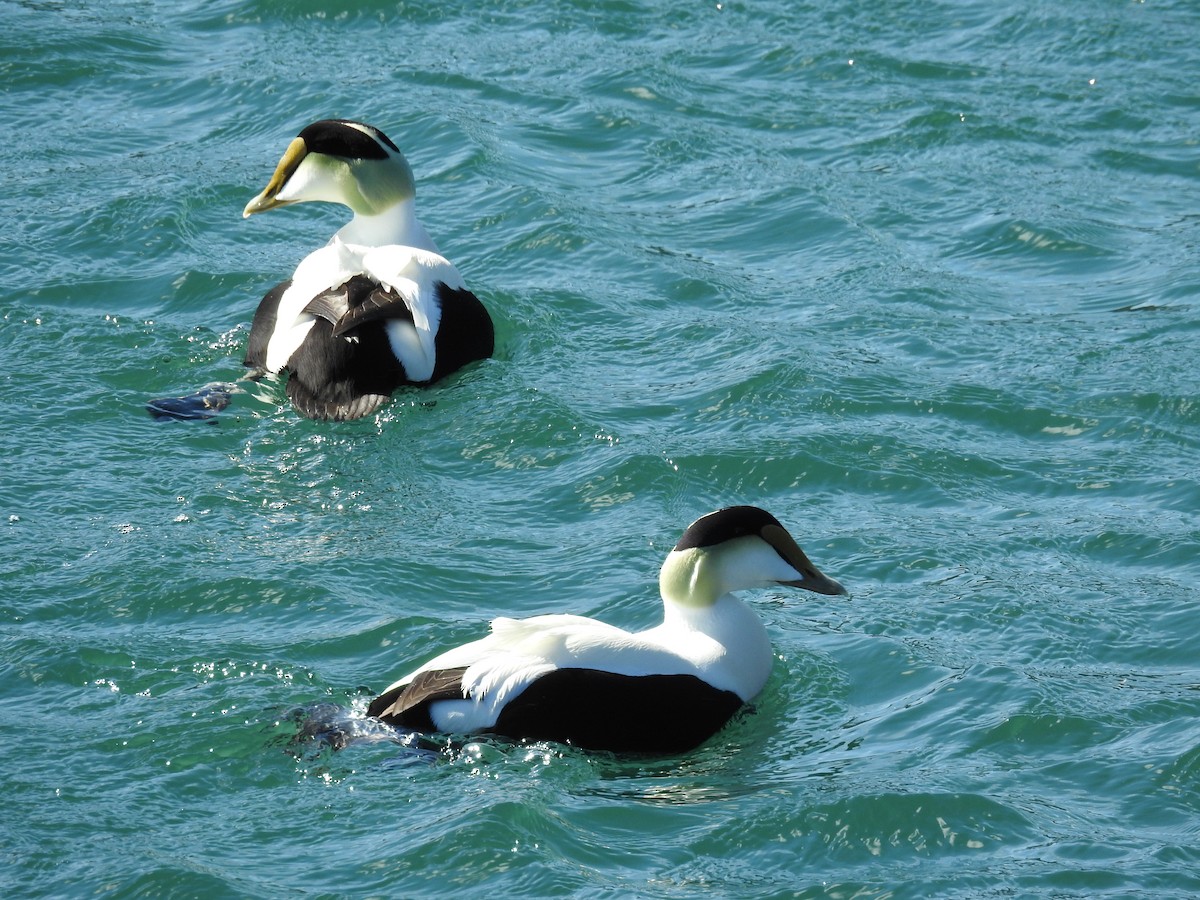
point(319, 727)
point(202, 404)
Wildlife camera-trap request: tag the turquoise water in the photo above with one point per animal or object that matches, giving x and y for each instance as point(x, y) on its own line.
point(921, 278)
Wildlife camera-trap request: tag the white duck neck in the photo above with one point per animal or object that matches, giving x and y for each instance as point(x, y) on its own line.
point(398, 224)
point(734, 650)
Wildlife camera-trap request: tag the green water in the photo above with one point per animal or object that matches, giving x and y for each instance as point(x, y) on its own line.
point(921, 279)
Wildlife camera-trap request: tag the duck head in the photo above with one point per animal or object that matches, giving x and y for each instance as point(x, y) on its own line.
point(339, 161)
point(733, 549)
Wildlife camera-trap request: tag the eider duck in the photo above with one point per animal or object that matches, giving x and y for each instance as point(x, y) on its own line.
point(578, 681)
point(375, 308)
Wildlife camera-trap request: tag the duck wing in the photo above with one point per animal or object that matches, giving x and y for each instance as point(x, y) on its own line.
point(355, 302)
point(467, 688)
point(407, 705)
point(606, 690)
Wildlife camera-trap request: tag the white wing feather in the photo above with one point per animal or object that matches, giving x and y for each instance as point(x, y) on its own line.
point(413, 273)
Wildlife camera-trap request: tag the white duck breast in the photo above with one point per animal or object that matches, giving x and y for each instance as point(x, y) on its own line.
point(377, 307)
point(580, 681)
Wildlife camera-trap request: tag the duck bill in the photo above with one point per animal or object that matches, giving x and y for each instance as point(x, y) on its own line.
point(269, 198)
point(814, 579)
point(819, 583)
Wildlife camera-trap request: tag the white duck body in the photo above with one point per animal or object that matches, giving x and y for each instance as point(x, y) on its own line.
point(376, 307)
point(577, 680)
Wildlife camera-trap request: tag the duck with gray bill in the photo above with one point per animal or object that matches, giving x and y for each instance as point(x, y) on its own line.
point(579, 681)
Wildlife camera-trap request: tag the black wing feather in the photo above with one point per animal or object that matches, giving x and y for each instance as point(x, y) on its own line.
point(263, 326)
point(372, 305)
point(408, 705)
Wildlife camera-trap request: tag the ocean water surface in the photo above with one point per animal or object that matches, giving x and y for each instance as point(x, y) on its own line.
point(923, 279)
